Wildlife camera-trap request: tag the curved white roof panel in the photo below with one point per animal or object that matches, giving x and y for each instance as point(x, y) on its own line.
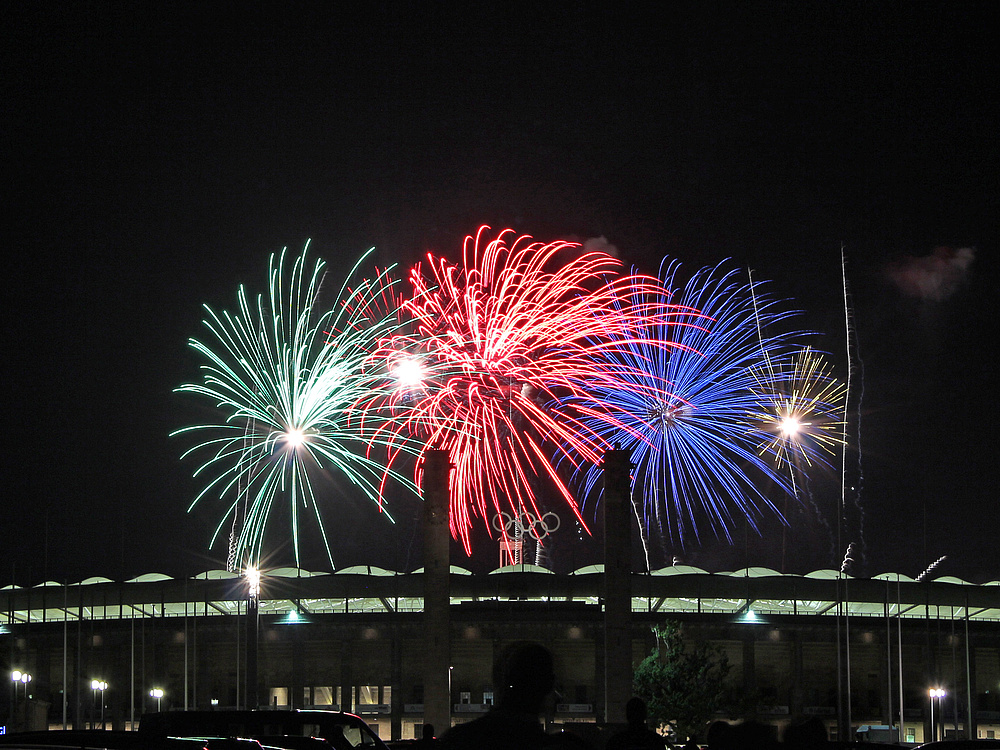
point(754, 573)
point(676, 570)
point(522, 568)
point(147, 577)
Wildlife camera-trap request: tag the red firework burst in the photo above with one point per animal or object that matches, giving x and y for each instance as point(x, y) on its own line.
point(494, 341)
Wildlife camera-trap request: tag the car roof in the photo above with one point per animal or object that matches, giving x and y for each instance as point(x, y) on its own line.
point(242, 723)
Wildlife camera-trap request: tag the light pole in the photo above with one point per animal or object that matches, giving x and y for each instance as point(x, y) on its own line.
point(158, 694)
point(252, 575)
point(937, 693)
point(101, 685)
point(23, 678)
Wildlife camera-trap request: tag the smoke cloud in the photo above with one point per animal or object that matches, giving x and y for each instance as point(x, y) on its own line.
point(933, 277)
point(600, 244)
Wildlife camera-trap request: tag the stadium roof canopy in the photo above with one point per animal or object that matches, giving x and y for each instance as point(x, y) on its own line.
point(366, 589)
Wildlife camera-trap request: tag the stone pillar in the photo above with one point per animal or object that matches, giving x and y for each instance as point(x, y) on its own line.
point(617, 585)
point(796, 704)
point(347, 674)
point(252, 623)
point(437, 593)
point(749, 656)
point(396, 680)
point(972, 726)
point(297, 683)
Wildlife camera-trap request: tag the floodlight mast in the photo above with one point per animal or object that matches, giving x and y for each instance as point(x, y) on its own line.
point(99, 686)
point(939, 694)
point(252, 575)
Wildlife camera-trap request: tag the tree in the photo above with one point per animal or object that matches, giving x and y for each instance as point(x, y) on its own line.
point(682, 687)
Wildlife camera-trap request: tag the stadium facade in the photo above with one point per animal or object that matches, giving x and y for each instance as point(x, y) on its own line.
point(852, 651)
point(404, 649)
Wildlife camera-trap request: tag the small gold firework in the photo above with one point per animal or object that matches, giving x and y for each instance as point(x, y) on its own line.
point(802, 406)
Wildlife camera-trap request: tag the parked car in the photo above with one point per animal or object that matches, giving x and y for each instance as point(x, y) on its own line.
point(960, 745)
point(339, 730)
point(99, 739)
point(76, 738)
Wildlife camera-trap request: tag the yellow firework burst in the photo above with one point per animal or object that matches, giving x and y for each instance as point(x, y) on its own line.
point(802, 408)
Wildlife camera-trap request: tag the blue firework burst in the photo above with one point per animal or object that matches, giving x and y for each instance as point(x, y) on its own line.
point(684, 400)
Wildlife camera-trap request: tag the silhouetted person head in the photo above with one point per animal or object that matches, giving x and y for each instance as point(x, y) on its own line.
point(809, 732)
point(335, 737)
point(635, 712)
point(755, 734)
point(721, 736)
point(524, 675)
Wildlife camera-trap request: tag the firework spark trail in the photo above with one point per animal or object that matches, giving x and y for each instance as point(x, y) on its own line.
point(496, 338)
point(930, 568)
point(847, 565)
point(853, 352)
point(800, 415)
point(285, 377)
point(683, 410)
point(774, 421)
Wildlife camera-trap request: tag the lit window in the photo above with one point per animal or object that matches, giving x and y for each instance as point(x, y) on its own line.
point(322, 695)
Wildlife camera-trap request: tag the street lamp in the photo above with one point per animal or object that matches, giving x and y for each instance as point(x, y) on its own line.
point(158, 694)
point(17, 676)
point(23, 677)
point(938, 693)
point(24, 680)
point(101, 685)
point(252, 575)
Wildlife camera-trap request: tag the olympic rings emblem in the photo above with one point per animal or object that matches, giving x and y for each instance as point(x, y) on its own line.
point(538, 527)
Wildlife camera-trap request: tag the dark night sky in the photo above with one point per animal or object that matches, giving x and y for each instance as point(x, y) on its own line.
point(155, 154)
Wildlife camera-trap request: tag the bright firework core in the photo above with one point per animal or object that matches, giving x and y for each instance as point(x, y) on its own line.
point(294, 438)
point(408, 372)
point(790, 427)
point(665, 415)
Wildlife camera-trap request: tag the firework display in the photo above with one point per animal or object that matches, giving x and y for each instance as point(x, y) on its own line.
point(525, 361)
point(688, 412)
point(496, 339)
point(285, 375)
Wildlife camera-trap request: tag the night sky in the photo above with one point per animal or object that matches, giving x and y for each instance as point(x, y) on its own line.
point(157, 153)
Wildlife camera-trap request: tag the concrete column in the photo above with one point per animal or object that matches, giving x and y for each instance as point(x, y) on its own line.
point(252, 623)
point(972, 725)
point(796, 703)
point(297, 682)
point(617, 585)
point(396, 680)
point(600, 668)
point(346, 675)
point(437, 593)
point(749, 639)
